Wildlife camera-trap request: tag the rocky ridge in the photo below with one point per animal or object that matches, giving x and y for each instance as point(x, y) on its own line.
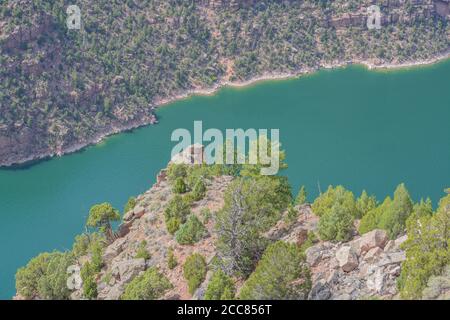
point(365, 267)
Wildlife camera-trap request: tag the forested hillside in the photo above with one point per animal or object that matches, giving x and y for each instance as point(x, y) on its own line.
point(61, 89)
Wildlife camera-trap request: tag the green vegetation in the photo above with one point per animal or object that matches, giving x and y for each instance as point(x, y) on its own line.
point(171, 260)
point(85, 244)
point(391, 215)
point(437, 287)
point(88, 275)
point(301, 196)
point(101, 216)
point(96, 250)
point(142, 252)
point(220, 287)
point(199, 190)
point(206, 215)
point(190, 179)
point(252, 206)
point(176, 171)
point(337, 209)
point(427, 248)
point(179, 186)
point(336, 224)
point(131, 203)
point(338, 195)
point(365, 204)
point(281, 274)
point(194, 271)
point(191, 231)
point(176, 213)
point(310, 241)
point(291, 215)
point(45, 276)
point(151, 285)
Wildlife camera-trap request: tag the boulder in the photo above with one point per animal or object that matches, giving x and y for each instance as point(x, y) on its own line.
point(390, 246)
point(128, 216)
point(320, 291)
point(314, 255)
point(113, 250)
point(128, 269)
point(372, 239)
point(372, 254)
point(138, 211)
point(113, 293)
point(347, 258)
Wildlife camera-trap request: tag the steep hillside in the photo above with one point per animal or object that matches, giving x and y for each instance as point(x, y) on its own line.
point(219, 232)
point(61, 89)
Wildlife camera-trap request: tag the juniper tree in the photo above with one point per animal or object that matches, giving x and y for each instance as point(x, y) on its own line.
point(101, 216)
point(252, 206)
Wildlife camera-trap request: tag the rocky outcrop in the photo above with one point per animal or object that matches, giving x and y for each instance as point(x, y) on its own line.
point(347, 258)
point(362, 268)
point(146, 222)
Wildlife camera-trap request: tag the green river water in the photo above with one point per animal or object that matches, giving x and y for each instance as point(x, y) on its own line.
point(363, 129)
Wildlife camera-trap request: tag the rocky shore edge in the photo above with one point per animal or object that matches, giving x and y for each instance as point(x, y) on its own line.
point(151, 119)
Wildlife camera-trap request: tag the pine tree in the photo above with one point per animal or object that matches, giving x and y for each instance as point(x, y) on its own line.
point(336, 224)
point(280, 274)
point(427, 250)
point(220, 287)
point(364, 204)
point(301, 197)
point(393, 220)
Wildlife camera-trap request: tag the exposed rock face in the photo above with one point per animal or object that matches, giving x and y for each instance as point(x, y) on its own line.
point(297, 231)
point(146, 222)
point(372, 239)
point(347, 258)
point(365, 266)
point(355, 270)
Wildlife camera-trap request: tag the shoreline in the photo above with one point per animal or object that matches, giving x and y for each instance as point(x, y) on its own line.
point(161, 102)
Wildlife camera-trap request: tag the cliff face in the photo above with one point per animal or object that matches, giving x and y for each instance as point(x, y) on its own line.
point(364, 267)
point(61, 89)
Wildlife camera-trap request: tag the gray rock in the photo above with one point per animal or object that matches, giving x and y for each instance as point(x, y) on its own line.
point(397, 257)
point(313, 255)
point(138, 211)
point(376, 281)
point(113, 250)
point(128, 216)
point(333, 277)
point(128, 269)
point(347, 258)
point(390, 246)
point(114, 293)
point(372, 254)
point(343, 296)
point(320, 291)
